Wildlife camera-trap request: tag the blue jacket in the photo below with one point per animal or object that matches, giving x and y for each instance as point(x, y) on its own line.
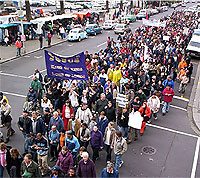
point(102, 124)
point(96, 139)
point(167, 82)
point(105, 174)
point(57, 122)
point(72, 144)
point(54, 136)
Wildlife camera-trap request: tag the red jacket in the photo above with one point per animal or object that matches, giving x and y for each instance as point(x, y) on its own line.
point(63, 112)
point(168, 95)
point(147, 111)
point(18, 44)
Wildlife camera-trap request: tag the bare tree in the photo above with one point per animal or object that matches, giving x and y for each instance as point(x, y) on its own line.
point(28, 10)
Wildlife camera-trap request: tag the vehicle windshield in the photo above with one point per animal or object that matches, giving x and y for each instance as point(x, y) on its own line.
point(73, 31)
point(120, 26)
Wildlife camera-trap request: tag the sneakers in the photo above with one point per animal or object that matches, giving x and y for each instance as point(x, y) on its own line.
point(149, 121)
point(121, 164)
point(155, 118)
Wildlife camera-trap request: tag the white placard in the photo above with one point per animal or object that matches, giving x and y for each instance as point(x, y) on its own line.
point(121, 100)
point(166, 38)
point(135, 120)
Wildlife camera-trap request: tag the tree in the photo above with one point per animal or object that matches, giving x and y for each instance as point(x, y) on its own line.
point(121, 4)
point(28, 10)
point(107, 5)
point(62, 9)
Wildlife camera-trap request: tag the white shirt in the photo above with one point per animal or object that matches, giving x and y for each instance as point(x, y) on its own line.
point(108, 135)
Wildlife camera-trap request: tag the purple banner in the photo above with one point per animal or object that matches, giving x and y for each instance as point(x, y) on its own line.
point(63, 68)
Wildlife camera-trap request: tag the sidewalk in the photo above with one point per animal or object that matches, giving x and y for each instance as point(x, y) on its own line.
point(194, 103)
point(8, 53)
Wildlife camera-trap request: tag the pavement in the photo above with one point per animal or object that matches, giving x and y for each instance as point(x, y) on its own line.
point(8, 53)
point(171, 142)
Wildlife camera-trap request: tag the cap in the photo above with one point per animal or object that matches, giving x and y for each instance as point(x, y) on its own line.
point(69, 132)
point(55, 168)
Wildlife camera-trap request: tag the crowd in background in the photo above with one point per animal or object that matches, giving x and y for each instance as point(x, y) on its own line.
point(67, 121)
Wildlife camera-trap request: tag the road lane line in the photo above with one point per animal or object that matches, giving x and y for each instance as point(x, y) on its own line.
point(101, 44)
point(37, 57)
point(172, 130)
point(195, 161)
point(181, 98)
point(14, 94)
point(13, 75)
point(177, 107)
point(41, 71)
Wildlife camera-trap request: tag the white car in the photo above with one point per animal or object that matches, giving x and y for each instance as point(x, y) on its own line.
point(109, 25)
point(154, 11)
point(141, 15)
point(77, 34)
point(120, 28)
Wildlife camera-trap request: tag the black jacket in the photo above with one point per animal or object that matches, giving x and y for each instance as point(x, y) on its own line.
point(110, 114)
point(26, 124)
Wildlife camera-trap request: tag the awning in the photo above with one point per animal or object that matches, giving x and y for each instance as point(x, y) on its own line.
point(24, 23)
point(8, 25)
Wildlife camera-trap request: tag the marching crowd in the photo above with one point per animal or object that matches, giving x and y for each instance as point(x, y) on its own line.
point(64, 122)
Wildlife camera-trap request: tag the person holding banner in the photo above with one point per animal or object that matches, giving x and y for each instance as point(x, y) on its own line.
point(145, 112)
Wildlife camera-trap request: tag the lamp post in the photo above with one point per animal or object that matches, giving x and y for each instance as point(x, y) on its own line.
point(21, 16)
point(107, 5)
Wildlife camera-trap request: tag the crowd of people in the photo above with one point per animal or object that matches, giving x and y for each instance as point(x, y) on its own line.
point(64, 122)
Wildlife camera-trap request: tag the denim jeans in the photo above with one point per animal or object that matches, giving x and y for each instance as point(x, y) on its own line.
point(165, 107)
point(124, 131)
point(118, 161)
point(18, 51)
point(1, 171)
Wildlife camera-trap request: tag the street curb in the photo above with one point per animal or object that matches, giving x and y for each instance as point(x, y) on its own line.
point(30, 52)
point(193, 104)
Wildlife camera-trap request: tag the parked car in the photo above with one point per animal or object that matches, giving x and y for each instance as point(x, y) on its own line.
point(77, 34)
point(120, 28)
point(154, 11)
point(141, 15)
point(109, 25)
point(93, 29)
point(130, 18)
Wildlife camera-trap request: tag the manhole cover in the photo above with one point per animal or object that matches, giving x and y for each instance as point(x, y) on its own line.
point(148, 150)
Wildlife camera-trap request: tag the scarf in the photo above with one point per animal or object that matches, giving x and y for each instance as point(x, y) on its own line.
point(3, 158)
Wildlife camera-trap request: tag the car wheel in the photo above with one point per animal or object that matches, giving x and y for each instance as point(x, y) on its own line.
point(79, 38)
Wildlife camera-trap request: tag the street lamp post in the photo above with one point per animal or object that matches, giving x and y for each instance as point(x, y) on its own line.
point(21, 16)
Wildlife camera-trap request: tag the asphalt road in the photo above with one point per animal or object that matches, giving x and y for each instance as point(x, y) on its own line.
point(174, 152)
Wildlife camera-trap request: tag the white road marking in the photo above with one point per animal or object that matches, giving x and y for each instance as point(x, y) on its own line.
point(101, 44)
point(195, 161)
point(70, 45)
point(27, 56)
point(180, 98)
point(14, 94)
point(172, 130)
point(13, 75)
point(37, 57)
point(91, 37)
point(41, 71)
point(177, 107)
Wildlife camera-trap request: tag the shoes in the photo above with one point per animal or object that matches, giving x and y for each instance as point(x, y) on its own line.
point(135, 139)
point(149, 121)
point(52, 159)
point(121, 164)
point(1, 126)
point(155, 118)
point(163, 114)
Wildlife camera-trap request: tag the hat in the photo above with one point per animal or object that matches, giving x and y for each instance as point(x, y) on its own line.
point(47, 109)
point(69, 132)
point(55, 168)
